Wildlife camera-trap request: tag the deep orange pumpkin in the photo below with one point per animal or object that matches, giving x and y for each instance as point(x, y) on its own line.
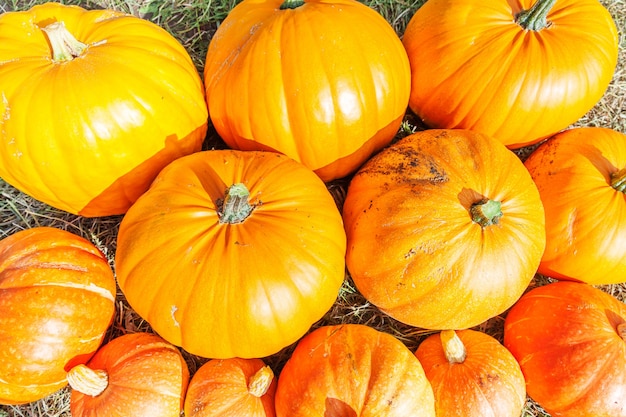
point(353, 370)
point(232, 253)
point(581, 177)
point(472, 375)
point(445, 229)
point(480, 65)
point(92, 105)
point(232, 387)
point(570, 341)
point(324, 82)
point(136, 374)
point(57, 298)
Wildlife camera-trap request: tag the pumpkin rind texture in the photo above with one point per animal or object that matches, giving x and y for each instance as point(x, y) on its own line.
point(88, 135)
point(581, 177)
point(473, 67)
point(353, 370)
point(414, 248)
point(486, 382)
point(146, 377)
point(222, 289)
point(331, 95)
point(57, 298)
point(570, 341)
point(231, 387)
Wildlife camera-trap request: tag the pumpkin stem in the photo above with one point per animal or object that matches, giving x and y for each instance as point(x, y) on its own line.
point(621, 330)
point(234, 208)
point(486, 212)
point(88, 381)
point(618, 180)
point(291, 4)
point(535, 18)
point(260, 382)
point(65, 46)
point(453, 347)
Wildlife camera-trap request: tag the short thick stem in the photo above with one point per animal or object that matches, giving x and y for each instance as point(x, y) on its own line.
point(235, 207)
point(453, 347)
point(88, 381)
point(291, 4)
point(260, 382)
point(618, 180)
point(486, 212)
point(535, 18)
point(64, 45)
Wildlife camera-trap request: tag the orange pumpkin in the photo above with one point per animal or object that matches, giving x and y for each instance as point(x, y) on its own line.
point(92, 105)
point(472, 374)
point(445, 229)
point(57, 298)
point(581, 177)
point(517, 70)
point(231, 388)
point(296, 77)
point(232, 253)
point(570, 340)
point(137, 374)
point(353, 370)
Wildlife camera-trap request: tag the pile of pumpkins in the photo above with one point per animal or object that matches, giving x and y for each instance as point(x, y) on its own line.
point(233, 254)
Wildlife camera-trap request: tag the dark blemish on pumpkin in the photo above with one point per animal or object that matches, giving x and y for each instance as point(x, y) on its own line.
point(487, 380)
point(410, 253)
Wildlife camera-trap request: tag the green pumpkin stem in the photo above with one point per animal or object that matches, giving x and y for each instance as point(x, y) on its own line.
point(235, 207)
point(65, 46)
point(260, 382)
point(618, 180)
point(291, 4)
point(486, 212)
point(453, 347)
point(535, 18)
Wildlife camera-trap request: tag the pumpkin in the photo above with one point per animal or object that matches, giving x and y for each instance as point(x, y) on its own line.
point(232, 253)
point(353, 370)
point(472, 374)
point(570, 341)
point(518, 71)
point(136, 374)
point(92, 105)
point(331, 95)
point(231, 387)
point(57, 297)
point(581, 177)
point(445, 229)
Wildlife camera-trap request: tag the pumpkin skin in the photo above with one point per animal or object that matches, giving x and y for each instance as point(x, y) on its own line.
point(570, 341)
point(144, 375)
point(473, 67)
point(581, 177)
point(57, 297)
point(472, 374)
point(232, 387)
point(331, 95)
point(223, 290)
point(353, 370)
point(88, 135)
point(414, 249)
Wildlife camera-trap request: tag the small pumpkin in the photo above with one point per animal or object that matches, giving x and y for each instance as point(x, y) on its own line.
point(430, 221)
point(472, 374)
point(136, 374)
point(232, 387)
point(518, 71)
point(93, 103)
point(57, 297)
point(570, 341)
point(353, 370)
point(331, 95)
point(581, 177)
point(232, 253)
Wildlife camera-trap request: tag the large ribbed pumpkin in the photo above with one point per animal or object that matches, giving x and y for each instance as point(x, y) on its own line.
point(92, 105)
point(445, 229)
point(324, 82)
point(517, 70)
point(57, 299)
point(232, 253)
